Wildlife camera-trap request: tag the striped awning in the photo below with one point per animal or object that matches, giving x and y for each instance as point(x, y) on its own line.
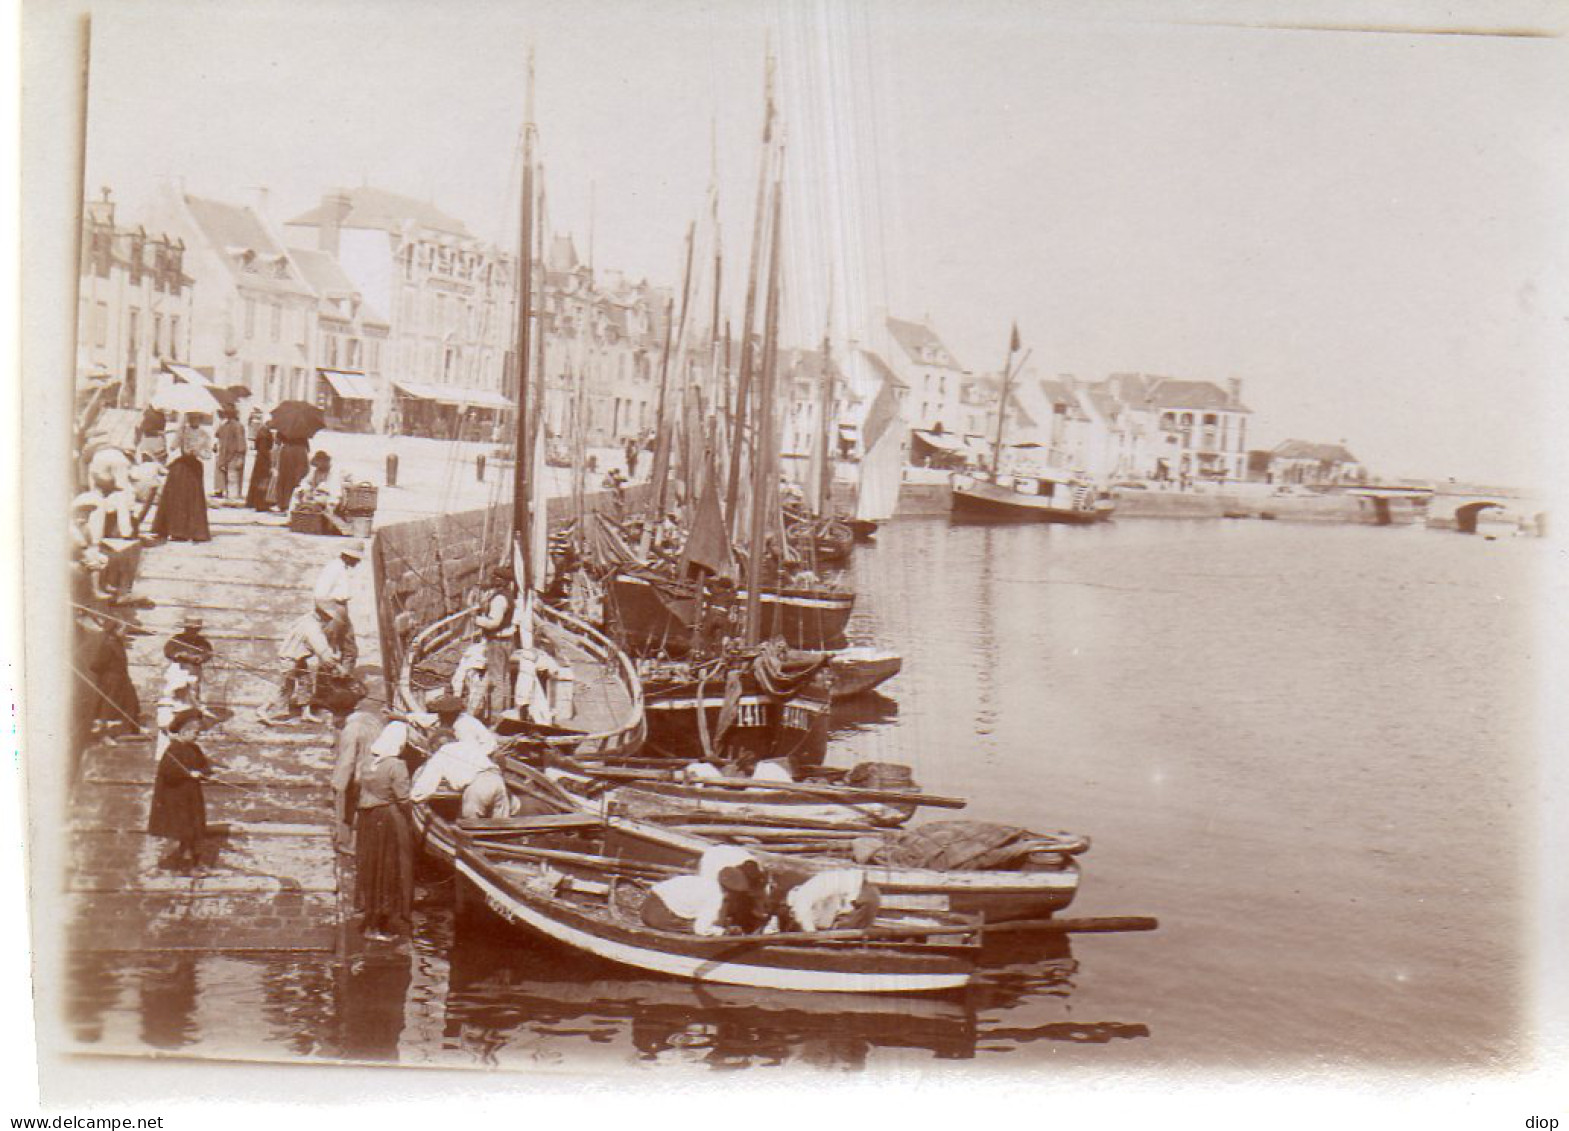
point(350, 386)
point(454, 394)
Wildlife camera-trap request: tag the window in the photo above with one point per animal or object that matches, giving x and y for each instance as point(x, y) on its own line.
point(250, 318)
point(132, 329)
point(158, 350)
point(332, 350)
point(277, 320)
point(298, 384)
point(100, 324)
point(270, 390)
point(373, 351)
point(174, 337)
point(351, 352)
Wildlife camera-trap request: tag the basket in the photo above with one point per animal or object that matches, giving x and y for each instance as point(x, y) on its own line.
point(309, 522)
point(359, 499)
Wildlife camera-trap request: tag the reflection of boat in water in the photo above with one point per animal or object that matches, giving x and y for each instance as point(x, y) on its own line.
point(502, 995)
point(569, 877)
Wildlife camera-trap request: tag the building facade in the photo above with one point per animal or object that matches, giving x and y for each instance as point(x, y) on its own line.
point(253, 314)
point(135, 302)
point(447, 298)
point(933, 375)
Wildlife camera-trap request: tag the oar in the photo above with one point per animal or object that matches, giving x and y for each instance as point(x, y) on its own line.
point(750, 821)
point(845, 793)
point(1102, 925)
point(562, 856)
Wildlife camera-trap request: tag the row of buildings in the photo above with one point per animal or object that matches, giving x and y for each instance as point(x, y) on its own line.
point(395, 317)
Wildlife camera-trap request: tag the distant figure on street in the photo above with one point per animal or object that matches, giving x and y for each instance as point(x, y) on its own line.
point(259, 495)
point(321, 490)
point(293, 458)
point(117, 708)
point(632, 454)
point(229, 467)
point(179, 811)
point(182, 507)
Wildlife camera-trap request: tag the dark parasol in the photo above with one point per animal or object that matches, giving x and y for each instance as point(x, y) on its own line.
point(297, 420)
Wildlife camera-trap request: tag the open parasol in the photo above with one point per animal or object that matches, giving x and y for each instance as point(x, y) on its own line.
point(185, 398)
point(297, 420)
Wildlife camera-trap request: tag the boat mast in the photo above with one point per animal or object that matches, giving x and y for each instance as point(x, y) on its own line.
point(744, 382)
point(662, 445)
point(765, 480)
point(522, 452)
point(1002, 402)
point(825, 465)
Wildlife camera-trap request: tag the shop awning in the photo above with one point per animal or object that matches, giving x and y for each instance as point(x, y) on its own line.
point(453, 394)
point(350, 386)
point(188, 375)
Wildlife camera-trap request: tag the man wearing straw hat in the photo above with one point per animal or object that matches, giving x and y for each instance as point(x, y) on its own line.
point(334, 587)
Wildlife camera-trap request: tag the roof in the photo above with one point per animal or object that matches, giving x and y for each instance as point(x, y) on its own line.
point(326, 277)
point(880, 367)
point(246, 247)
point(378, 208)
point(1169, 392)
point(1304, 449)
point(1056, 392)
point(922, 344)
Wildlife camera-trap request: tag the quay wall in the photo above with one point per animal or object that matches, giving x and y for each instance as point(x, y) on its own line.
point(935, 499)
point(428, 568)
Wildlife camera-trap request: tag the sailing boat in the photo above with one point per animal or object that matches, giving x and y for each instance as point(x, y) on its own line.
point(605, 717)
point(813, 531)
point(1036, 496)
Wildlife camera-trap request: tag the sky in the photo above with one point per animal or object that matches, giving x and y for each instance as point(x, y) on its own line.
point(1366, 227)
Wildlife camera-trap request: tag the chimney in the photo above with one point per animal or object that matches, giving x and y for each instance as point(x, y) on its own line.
point(1234, 390)
point(336, 207)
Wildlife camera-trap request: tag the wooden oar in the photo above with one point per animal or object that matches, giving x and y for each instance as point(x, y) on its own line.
point(751, 821)
point(845, 793)
point(1105, 924)
point(561, 856)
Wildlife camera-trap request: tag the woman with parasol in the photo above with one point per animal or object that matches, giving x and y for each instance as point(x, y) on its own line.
point(295, 422)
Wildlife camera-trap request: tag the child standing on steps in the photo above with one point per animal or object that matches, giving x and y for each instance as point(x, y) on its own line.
point(179, 810)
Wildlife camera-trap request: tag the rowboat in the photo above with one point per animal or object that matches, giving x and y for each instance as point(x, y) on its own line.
point(649, 794)
point(825, 541)
point(663, 829)
point(566, 881)
point(858, 670)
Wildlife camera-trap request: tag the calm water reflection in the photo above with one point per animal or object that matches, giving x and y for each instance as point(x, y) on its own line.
point(1307, 749)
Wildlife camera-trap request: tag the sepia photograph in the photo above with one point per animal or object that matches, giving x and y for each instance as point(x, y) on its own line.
point(714, 545)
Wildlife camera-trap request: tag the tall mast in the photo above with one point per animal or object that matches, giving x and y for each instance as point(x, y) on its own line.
point(522, 452)
point(744, 384)
point(825, 462)
point(764, 477)
point(1002, 403)
point(673, 333)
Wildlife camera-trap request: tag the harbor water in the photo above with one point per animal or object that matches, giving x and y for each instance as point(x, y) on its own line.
point(1308, 749)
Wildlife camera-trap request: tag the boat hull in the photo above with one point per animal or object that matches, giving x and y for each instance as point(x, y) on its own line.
point(858, 670)
point(739, 961)
point(979, 501)
point(649, 619)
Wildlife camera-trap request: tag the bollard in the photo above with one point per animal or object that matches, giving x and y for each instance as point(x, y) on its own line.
point(479, 467)
point(392, 469)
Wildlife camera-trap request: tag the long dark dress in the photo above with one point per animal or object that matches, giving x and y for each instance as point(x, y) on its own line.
point(294, 460)
point(116, 697)
point(261, 473)
point(182, 506)
point(384, 846)
point(179, 811)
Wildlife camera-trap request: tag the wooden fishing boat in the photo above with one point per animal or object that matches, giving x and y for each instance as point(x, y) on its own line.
point(566, 882)
point(1041, 881)
point(863, 529)
point(655, 794)
point(766, 725)
point(824, 541)
point(858, 670)
point(1037, 497)
point(652, 613)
